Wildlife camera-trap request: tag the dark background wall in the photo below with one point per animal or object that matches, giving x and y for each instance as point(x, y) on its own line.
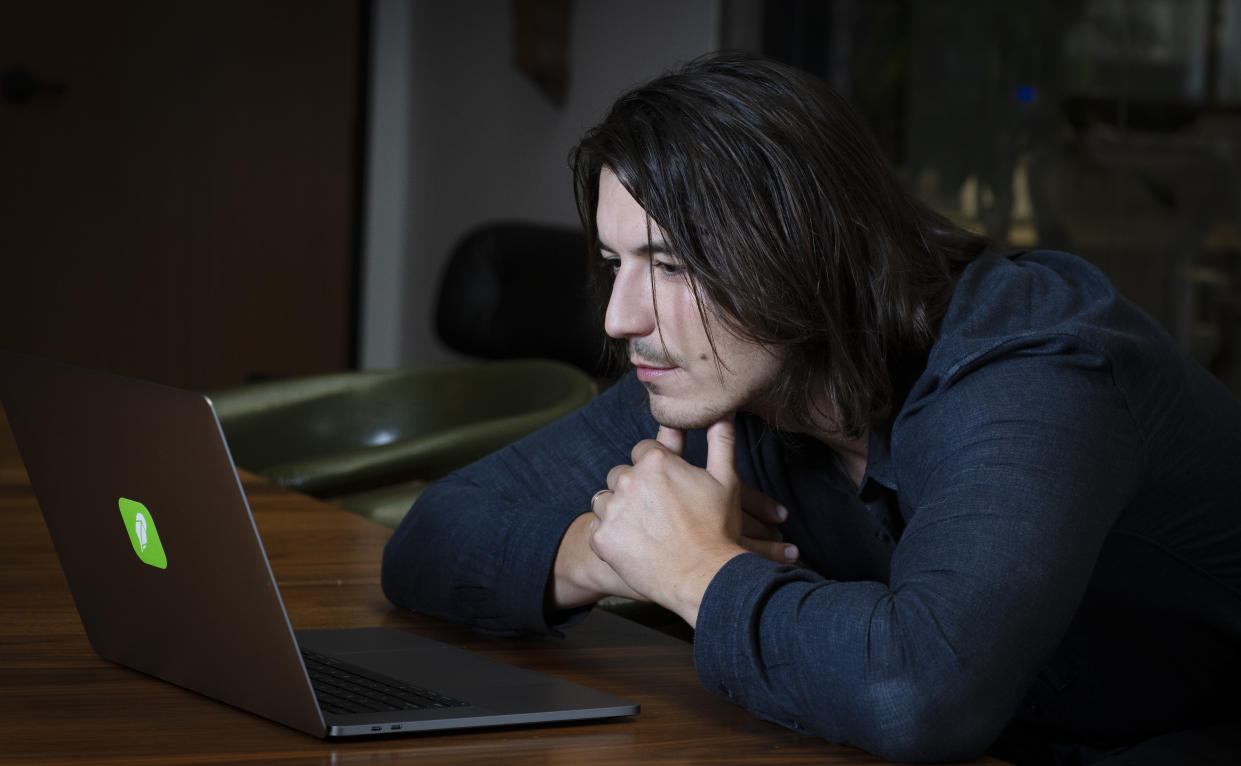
point(177, 185)
point(205, 192)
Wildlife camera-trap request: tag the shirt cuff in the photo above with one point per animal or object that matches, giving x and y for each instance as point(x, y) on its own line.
point(529, 557)
point(726, 639)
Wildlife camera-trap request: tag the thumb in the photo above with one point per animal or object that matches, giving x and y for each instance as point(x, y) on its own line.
point(722, 450)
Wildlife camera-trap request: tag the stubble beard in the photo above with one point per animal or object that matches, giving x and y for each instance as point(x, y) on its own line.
point(690, 413)
point(667, 414)
point(664, 409)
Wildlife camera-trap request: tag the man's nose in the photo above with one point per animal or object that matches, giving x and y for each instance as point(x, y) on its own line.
point(631, 309)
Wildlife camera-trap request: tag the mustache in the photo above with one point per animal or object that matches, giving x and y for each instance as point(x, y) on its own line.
point(652, 352)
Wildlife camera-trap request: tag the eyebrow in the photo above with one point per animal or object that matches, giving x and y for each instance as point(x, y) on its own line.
point(654, 247)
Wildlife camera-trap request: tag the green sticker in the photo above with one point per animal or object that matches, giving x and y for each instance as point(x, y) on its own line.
point(142, 533)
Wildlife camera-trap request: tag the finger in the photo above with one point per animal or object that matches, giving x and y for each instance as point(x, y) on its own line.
point(672, 438)
point(752, 527)
point(762, 507)
point(781, 553)
point(596, 501)
point(615, 474)
point(722, 450)
point(647, 446)
point(643, 447)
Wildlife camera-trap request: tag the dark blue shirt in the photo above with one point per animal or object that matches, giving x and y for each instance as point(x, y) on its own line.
point(1046, 542)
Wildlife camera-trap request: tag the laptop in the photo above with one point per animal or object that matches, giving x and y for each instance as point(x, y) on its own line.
point(169, 576)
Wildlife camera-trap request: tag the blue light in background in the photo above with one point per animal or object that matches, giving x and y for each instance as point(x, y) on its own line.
point(1027, 93)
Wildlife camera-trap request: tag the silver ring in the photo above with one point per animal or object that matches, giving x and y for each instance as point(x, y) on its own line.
point(595, 497)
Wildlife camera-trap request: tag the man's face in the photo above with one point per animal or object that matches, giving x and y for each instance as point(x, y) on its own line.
point(689, 386)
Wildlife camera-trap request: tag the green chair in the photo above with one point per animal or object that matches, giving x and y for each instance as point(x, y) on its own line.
point(372, 439)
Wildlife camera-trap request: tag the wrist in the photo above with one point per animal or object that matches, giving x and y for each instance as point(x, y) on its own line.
point(689, 590)
point(579, 577)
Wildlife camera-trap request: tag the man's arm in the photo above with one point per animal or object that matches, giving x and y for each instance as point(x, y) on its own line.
point(503, 542)
point(479, 545)
point(1015, 477)
point(1016, 483)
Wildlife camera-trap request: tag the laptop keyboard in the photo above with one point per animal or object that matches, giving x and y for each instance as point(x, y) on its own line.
point(343, 688)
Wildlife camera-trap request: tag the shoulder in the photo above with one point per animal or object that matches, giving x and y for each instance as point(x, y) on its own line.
point(1023, 378)
point(1036, 333)
point(1041, 303)
point(1002, 297)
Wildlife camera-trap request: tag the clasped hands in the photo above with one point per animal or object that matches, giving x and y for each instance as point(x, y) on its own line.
point(666, 527)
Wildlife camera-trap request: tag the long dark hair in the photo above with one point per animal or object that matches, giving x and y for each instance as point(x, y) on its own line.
point(793, 230)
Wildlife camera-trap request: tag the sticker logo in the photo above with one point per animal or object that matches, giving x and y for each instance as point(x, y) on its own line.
point(142, 533)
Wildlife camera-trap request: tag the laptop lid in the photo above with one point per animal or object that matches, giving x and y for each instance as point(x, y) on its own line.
point(169, 575)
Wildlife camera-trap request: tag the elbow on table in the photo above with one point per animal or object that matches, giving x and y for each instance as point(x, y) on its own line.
point(936, 727)
point(926, 744)
point(391, 578)
point(398, 565)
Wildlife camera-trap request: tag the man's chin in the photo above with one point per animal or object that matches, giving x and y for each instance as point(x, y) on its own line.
point(674, 417)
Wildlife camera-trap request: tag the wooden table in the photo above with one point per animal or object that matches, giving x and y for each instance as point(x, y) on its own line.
point(61, 703)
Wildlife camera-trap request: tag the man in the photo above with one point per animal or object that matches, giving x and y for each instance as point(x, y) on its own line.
point(912, 495)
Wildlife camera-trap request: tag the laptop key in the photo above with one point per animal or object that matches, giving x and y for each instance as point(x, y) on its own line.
point(341, 687)
point(332, 704)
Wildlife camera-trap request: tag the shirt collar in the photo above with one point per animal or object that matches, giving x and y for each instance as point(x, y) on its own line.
point(879, 468)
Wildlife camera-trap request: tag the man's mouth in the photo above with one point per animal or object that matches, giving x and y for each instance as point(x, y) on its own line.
point(648, 372)
point(650, 360)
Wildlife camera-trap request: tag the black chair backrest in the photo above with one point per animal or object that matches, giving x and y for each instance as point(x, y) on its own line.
point(514, 290)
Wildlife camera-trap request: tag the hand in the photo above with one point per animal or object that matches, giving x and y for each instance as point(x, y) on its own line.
point(667, 527)
point(579, 577)
point(760, 513)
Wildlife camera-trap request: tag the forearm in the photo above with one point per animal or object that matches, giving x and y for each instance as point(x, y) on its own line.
point(851, 662)
point(928, 665)
point(482, 545)
point(486, 568)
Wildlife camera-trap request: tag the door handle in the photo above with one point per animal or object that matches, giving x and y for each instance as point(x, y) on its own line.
point(19, 86)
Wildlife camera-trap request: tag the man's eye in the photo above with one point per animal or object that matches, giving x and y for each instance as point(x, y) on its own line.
point(669, 269)
point(612, 265)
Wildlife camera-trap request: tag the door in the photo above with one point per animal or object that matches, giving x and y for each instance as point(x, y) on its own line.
point(177, 185)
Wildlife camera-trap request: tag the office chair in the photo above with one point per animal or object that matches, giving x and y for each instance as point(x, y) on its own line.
point(514, 294)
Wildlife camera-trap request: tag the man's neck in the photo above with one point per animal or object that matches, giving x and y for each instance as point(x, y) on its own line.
point(851, 452)
point(854, 460)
